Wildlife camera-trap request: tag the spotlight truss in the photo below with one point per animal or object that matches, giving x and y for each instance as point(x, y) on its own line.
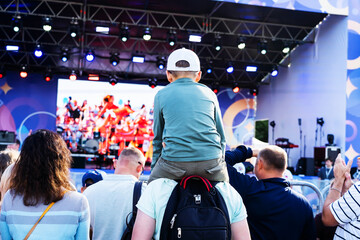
point(124, 33)
point(16, 23)
point(172, 38)
point(114, 59)
point(113, 80)
point(74, 29)
point(152, 82)
point(160, 62)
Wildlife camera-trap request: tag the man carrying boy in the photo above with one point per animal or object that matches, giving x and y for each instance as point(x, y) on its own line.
point(188, 132)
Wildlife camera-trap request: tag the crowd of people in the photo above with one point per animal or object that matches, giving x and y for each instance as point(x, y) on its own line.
point(105, 128)
point(38, 200)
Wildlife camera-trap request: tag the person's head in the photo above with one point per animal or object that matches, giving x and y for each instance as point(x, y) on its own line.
point(7, 157)
point(5, 181)
point(183, 63)
point(91, 177)
point(109, 98)
point(131, 161)
point(15, 145)
point(328, 163)
point(358, 162)
point(41, 173)
point(271, 162)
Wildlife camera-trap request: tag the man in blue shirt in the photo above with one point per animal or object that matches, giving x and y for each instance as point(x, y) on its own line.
point(275, 211)
point(188, 131)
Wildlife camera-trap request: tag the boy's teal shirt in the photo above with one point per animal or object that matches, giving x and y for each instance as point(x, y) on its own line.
point(187, 118)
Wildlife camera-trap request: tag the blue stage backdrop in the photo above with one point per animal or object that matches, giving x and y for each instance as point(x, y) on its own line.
point(27, 103)
point(353, 83)
point(238, 112)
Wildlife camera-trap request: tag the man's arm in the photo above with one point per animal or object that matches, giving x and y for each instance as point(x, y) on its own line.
point(158, 128)
point(144, 226)
point(242, 183)
point(341, 172)
point(239, 154)
point(240, 230)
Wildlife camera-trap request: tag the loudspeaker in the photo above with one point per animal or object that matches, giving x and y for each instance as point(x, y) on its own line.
point(305, 166)
point(78, 162)
point(319, 156)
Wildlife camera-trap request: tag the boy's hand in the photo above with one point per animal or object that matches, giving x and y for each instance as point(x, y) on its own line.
point(163, 144)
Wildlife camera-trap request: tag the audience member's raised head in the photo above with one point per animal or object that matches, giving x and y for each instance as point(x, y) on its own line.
point(183, 63)
point(41, 173)
point(271, 160)
point(131, 161)
point(90, 177)
point(7, 157)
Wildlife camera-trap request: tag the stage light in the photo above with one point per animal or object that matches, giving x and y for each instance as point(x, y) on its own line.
point(138, 59)
point(229, 67)
point(73, 76)
point(112, 80)
point(93, 77)
point(160, 63)
point(215, 87)
point(262, 48)
point(124, 33)
point(38, 52)
point(16, 23)
point(102, 29)
point(2, 72)
point(254, 91)
point(236, 88)
point(90, 56)
point(194, 38)
point(274, 72)
point(48, 75)
point(23, 71)
point(286, 47)
point(152, 82)
point(65, 55)
point(286, 50)
point(147, 34)
point(217, 43)
point(171, 38)
point(251, 68)
point(114, 59)
point(47, 25)
point(209, 68)
point(74, 29)
point(241, 43)
point(13, 48)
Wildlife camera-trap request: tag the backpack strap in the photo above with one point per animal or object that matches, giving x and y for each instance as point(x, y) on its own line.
point(169, 212)
point(136, 195)
point(130, 223)
point(220, 202)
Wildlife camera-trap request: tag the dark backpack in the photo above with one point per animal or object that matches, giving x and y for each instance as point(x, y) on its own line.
point(195, 210)
point(130, 224)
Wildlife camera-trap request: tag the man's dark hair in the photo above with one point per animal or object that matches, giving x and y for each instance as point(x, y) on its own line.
point(274, 157)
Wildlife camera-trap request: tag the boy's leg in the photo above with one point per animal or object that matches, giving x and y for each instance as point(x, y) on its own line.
point(214, 170)
point(167, 169)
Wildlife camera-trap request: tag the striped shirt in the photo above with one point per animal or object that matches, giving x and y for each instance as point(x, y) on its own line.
point(69, 218)
point(346, 211)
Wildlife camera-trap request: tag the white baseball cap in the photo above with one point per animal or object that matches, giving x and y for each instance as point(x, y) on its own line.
point(183, 54)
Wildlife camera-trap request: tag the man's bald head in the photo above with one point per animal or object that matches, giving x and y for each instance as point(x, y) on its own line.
point(274, 157)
